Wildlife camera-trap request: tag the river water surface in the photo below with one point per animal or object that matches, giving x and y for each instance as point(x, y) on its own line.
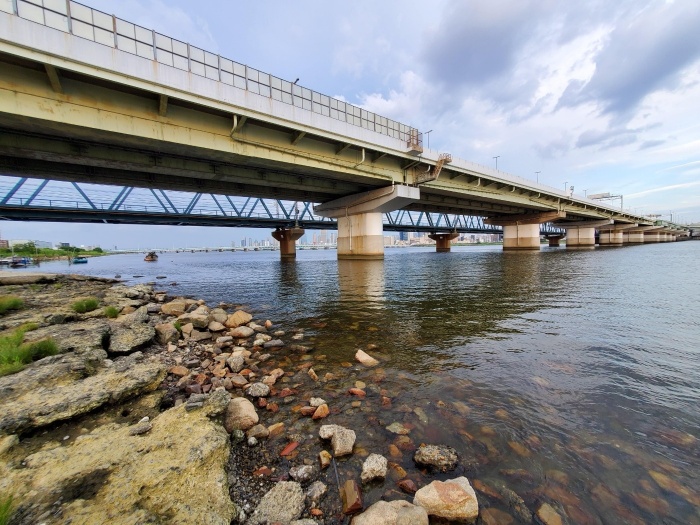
point(569, 377)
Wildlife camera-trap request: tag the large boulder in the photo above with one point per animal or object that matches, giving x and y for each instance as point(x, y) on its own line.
point(174, 473)
point(392, 513)
point(127, 339)
point(53, 400)
point(176, 307)
point(241, 332)
point(240, 415)
point(79, 336)
point(167, 333)
point(453, 500)
point(283, 503)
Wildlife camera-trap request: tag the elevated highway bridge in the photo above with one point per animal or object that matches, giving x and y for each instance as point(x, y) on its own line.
point(86, 97)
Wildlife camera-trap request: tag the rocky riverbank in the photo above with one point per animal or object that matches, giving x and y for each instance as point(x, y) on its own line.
point(181, 412)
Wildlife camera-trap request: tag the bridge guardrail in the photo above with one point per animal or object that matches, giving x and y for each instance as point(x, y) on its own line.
point(109, 30)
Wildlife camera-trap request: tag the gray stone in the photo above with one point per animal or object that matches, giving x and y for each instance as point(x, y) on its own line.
point(137, 317)
point(167, 333)
point(238, 318)
point(241, 332)
point(198, 320)
point(374, 467)
point(235, 363)
point(440, 457)
point(258, 431)
point(392, 513)
point(176, 307)
point(196, 335)
point(80, 336)
point(258, 390)
point(316, 402)
point(273, 343)
point(283, 503)
point(301, 473)
point(127, 339)
point(342, 439)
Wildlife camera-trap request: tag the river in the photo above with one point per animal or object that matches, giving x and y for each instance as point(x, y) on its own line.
point(568, 376)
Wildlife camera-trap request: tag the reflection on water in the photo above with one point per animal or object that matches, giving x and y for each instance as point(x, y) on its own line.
point(565, 377)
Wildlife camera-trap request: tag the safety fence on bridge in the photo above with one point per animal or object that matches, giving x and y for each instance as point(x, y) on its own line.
point(46, 200)
point(109, 30)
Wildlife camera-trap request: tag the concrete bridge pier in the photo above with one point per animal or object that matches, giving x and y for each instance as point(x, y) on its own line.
point(581, 234)
point(360, 226)
point(287, 238)
point(522, 232)
point(443, 240)
point(554, 240)
point(652, 236)
point(613, 234)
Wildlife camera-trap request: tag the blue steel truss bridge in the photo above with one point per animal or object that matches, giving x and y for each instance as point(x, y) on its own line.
point(24, 199)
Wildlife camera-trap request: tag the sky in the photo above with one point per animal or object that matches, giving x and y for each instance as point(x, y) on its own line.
point(603, 96)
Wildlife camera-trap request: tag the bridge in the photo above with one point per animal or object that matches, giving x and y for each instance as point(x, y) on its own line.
point(89, 98)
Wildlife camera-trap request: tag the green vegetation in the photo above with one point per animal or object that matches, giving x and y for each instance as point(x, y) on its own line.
point(85, 305)
point(178, 326)
point(10, 302)
point(5, 509)
point(14, 355)
point(111, 311)
point(30, 250)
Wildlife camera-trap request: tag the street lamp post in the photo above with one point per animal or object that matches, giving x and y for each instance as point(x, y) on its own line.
point(496, 159)
point(537, 173)
point(565, 185)
point(427, 138)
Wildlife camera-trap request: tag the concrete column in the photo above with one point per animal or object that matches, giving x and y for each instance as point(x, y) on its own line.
point(521, 237)
point(633, 237)
point(554, 240)
point(287, 238)
point(610, 238)
point(443, 240)
point(361, 236)
point(651, 237)
point(580, 237)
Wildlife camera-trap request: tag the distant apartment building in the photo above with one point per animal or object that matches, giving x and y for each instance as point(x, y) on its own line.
point(4, 244)
point(38, 244)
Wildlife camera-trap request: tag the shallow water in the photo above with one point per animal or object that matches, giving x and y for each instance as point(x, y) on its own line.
point(570, 377)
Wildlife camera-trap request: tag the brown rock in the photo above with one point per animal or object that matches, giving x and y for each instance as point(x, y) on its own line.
point(408, 486)
point(351, 496)
point(548, 516)
point(321, 412)
point(453, 499)
point(276, 429)
point(179, 371)
point(486, 489)
point(357, 392)
point(240, 415)
point(495, 517)
point(365, 359)
point(238, 318)
point(307, 411)
point(176, 307)
point(291, 447)
point(324, 458)
point(312, 374)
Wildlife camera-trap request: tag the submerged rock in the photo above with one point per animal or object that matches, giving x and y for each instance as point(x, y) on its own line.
point(342, 439)
point(440, 457)
point(392, 513)
point(374, 467)
point(283, 503)
point(453, 499)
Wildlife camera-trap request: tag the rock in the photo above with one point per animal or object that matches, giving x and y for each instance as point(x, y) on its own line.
point(238, 381)
point(241, 332)
point(176, 307)
point(398, 428)
point(196, 335)
point(440, 457)
point(365, 358)
point(235, 363)
point(548, 516)
point(321, 412)
point(324, 458)
point(142, 427)
point(258, 431)
point(274, 343)
point(291, 447)
point(240, 415)
point(80, 336)
point(374, 467)
point(283, 503)
point(124, 340)
point(453, 499)
point(408, 486)
point(136, 317)
point(392, 513)
point(7, 442)
point(342, 439)
point(301, 473)
point(316, 402)
point(238, 318)
point(60, 395)
point(357, 392)
point(276, 429)
point(216, 326)
point(315, 492)
point(167, 333)
point(313, 375)
point(351, 496)
point(495, 517)
point(179, 371)
point(258, 390)
point(108, 475)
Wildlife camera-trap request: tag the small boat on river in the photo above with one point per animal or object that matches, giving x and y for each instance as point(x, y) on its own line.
point(20, 262)
point(80, 260)
point(151, 257)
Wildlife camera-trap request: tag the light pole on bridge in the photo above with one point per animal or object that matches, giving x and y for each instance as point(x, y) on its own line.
point(427, 138)
point(496, 159)
point(537, 174)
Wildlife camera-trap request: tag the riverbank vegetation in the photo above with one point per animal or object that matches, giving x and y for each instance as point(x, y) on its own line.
point(14, 354)
point(10, 302)
point(31, 250)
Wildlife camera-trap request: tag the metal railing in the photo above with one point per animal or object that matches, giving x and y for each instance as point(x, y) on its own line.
point(91, 24)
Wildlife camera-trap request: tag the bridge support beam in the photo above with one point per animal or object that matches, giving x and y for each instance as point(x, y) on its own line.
point(522, 232)
point(287, 238)
point(610, 238)
point(581, 234)
point(443, 240)
point(633, 237)
point(652, 237)
point(360, 228)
